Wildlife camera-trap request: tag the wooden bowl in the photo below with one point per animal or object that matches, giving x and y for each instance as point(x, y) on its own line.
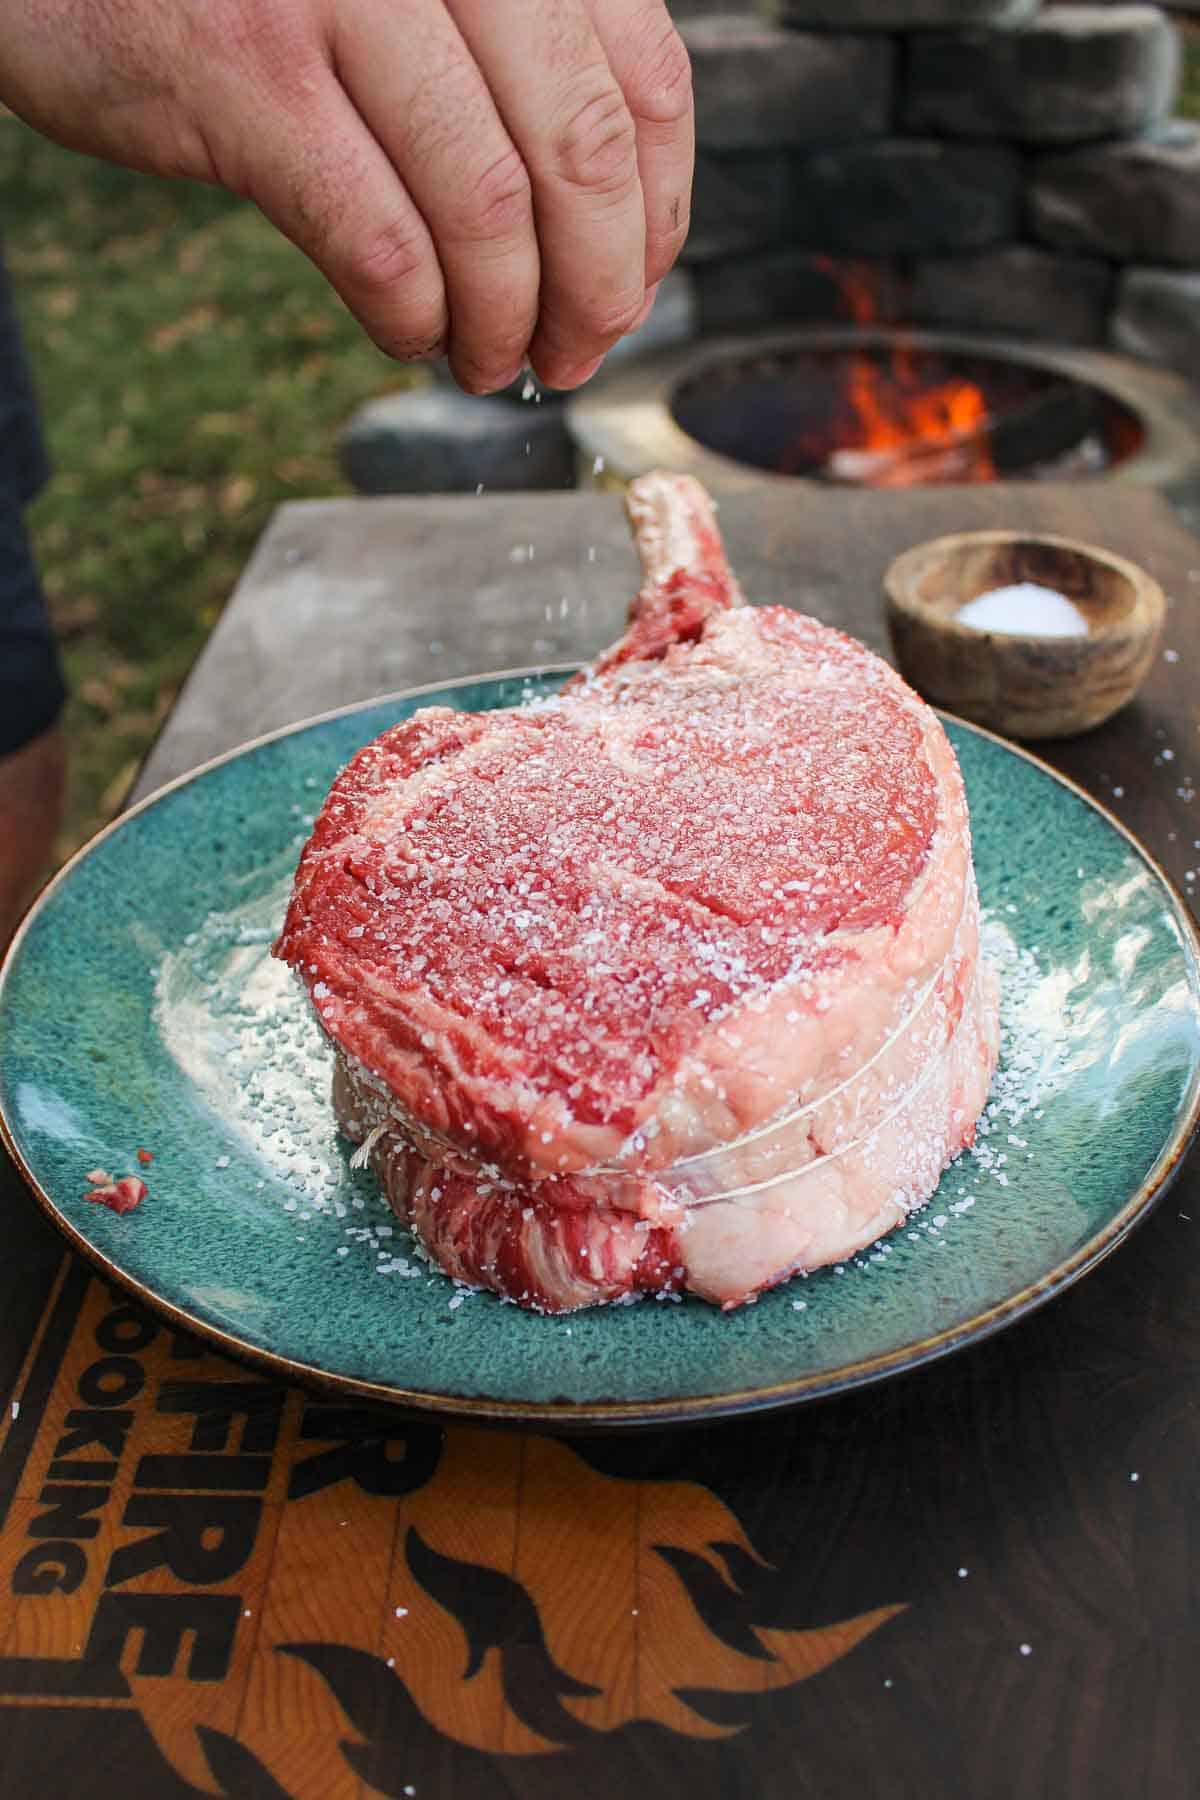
point(1023, 686)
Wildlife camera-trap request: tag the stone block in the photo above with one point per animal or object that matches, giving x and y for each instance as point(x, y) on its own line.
point(1016, 289)
point(1072, 74)
point(1138, 201)
point(904, 196)
point(759, 87)
point(738, 203)
point(796, 287)
point(1157, 316)
point(903, 15)
point(436, 440)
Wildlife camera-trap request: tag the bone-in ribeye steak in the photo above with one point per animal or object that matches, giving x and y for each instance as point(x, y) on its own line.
point(670, 982)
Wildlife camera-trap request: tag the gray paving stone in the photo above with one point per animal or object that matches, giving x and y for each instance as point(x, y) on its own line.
point(437, 440)
point(903, 15)
point(1158, 316)
point(759, 87)
point(738, 204)
point(905, 196)
point(793, 287)
point(1072, 74)
point(1137, 201)
point(1016, 289)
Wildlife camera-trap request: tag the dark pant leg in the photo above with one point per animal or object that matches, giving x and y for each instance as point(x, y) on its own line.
point(31, 685)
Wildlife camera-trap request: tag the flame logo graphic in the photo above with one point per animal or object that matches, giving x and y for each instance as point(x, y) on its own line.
point(535, 1603)
point(288, 1598)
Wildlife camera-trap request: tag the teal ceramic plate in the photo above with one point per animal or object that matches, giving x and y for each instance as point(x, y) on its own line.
point(140, 1008)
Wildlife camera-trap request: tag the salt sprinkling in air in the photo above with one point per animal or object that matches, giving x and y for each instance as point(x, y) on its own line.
point(1025, 609)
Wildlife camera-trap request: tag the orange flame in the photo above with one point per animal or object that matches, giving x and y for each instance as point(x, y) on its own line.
point(903, 428)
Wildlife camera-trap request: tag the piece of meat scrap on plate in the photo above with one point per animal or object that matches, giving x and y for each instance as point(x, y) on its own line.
point(667, 983)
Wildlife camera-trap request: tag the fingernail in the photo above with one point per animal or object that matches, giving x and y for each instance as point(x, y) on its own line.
point(414, 352)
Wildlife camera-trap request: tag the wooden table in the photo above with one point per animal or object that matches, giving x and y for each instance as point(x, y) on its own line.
point(977, 1580)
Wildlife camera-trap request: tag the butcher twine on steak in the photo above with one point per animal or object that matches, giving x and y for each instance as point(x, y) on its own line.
point(670, 981)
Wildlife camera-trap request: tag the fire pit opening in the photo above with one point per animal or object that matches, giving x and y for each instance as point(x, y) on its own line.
point(886, 409)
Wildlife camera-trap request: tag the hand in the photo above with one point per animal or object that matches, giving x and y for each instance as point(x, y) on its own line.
point(503, 180)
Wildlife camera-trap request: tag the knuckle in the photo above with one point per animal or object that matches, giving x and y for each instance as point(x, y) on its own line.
point(390, 257)
point(606, 320)
point(661, 88)
point(596, 146)
point(391, 282)
point(500, 202)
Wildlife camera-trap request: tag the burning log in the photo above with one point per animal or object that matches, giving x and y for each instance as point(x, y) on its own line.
point(966, 459)
point(989, 445)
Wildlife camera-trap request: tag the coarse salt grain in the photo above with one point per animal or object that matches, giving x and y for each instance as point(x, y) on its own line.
point(1025, 608)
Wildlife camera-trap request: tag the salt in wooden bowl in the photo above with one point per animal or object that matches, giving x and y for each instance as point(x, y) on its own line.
point(1021, 683)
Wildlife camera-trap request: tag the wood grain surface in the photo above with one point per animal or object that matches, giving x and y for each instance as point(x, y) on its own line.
point(976, 1580)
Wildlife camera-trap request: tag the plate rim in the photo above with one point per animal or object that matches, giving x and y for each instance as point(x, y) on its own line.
point(592, 1415)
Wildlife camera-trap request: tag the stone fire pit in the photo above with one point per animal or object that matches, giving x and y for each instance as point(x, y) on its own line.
point(718, 409)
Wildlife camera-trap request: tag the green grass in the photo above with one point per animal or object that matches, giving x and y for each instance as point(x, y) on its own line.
point(1189, 96)
point(194, 370)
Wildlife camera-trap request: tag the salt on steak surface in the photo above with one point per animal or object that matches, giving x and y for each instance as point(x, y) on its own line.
point(670, 980)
